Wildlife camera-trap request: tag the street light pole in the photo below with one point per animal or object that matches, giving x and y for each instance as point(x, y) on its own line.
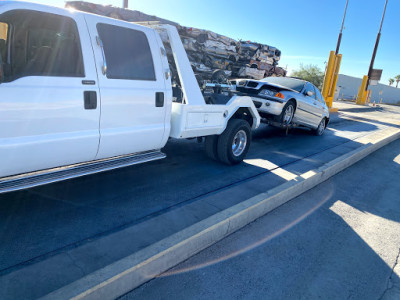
point(125, 4)
point(341, 30)
point(378, 37)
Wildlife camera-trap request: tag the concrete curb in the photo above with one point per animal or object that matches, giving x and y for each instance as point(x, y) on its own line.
point(128, 273)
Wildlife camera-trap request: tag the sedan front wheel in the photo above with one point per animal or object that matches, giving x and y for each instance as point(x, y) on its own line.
point(321, 128)
point(287, 114)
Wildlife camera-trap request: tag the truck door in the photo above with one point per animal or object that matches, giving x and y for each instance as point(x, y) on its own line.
point(132, 87)
point(49, 116)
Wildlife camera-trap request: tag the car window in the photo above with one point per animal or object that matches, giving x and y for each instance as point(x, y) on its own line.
point(309, 87)
point(127, 52)
point(41, 44)
point(319, 96)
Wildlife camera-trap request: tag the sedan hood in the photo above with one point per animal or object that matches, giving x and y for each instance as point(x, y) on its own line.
point(281, 87)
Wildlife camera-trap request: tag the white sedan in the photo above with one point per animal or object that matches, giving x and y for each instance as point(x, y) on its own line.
point(285, 101)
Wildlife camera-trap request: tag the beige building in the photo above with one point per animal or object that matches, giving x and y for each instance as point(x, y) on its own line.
point(347, 88)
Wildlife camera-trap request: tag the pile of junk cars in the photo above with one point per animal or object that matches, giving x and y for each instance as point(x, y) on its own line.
point(214, 58)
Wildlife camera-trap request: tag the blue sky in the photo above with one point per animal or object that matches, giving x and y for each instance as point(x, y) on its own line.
point(305, 31)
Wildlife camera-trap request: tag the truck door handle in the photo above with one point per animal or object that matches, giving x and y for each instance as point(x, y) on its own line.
point(90, 99)
point(100, 43)
point(159, 99)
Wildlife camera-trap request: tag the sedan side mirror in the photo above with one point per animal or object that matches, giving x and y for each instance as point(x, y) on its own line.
point(309, 93)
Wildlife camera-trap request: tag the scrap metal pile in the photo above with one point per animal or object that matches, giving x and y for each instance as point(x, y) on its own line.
point(214, 57)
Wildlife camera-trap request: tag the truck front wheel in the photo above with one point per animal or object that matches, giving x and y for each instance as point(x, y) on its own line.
point(234, 142)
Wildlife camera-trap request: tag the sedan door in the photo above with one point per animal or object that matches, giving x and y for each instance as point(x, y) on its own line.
point(321, 105)
point(311, 114)
point(316, 108)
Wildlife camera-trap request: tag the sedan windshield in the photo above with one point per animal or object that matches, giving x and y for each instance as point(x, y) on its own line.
point(291, 83)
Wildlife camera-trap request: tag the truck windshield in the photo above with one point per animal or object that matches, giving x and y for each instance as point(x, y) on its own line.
point(291, 83)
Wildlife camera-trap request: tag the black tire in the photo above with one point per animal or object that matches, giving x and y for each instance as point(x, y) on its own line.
point(287, 106)
point(321, 128)
point(219, 76)
point(211, 145)
point(225, 142)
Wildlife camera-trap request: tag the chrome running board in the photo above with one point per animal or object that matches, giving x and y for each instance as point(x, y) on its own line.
point(28, 180)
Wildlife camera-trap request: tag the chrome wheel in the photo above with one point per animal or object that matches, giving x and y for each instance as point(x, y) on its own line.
point(288, 115)
point(239, 143)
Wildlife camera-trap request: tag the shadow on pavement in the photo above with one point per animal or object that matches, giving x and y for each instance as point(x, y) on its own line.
point(319, 246)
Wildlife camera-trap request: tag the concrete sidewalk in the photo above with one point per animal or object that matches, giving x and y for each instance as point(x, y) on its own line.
point(339, 240)
point(349, 106)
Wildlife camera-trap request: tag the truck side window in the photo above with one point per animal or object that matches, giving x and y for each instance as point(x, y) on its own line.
point(41, 44)
point(127, 52)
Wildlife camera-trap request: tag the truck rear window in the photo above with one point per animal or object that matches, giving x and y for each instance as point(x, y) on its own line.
point(127, 52)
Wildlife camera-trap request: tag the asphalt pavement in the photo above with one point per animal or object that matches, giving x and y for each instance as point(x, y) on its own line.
point(40, 223)
point(339, 240)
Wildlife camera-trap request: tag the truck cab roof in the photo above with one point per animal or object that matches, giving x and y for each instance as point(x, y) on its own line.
point(56, 10)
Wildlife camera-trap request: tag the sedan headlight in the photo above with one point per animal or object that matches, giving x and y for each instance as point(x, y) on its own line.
point(267, 93)
point(271, 93)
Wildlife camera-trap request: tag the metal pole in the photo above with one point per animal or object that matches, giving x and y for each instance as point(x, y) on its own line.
point(341, 30)
point(125, 4)
point(378, 37)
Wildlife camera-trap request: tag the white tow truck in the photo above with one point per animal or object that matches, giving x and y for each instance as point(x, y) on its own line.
point(81, 94)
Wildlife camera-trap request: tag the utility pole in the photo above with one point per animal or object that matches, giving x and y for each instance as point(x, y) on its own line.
point(125, 4)
point(378, 37)
point(332, 68)
point(341, 30)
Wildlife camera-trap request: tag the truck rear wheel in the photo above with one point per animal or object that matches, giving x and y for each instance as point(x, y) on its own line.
point(234, 142)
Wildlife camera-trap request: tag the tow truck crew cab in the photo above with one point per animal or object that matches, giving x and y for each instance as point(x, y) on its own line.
point(80, 94)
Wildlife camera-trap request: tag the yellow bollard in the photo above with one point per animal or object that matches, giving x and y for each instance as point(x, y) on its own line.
point(328, 76)
point(362, 93)
point(332, 88)
point(330, 79)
